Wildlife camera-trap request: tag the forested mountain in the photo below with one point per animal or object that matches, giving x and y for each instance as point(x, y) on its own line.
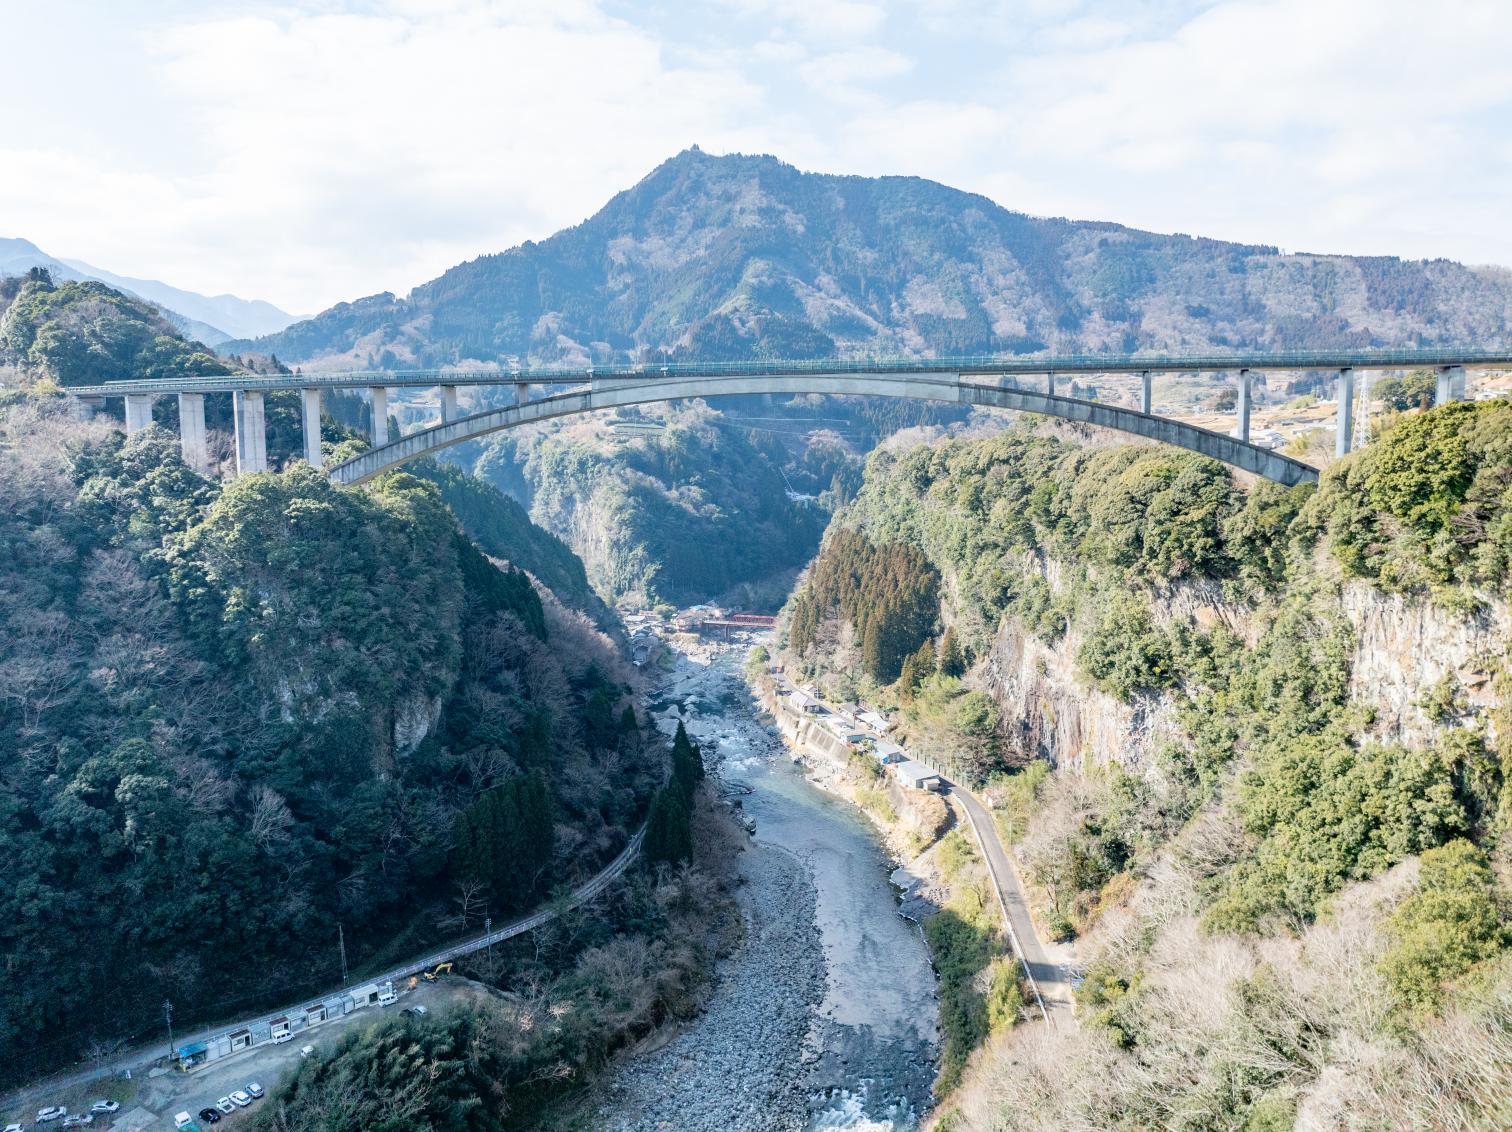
point(1278, 727)
point(84, 332)
point(212, 319)
point(740, 256)
point(233, 716)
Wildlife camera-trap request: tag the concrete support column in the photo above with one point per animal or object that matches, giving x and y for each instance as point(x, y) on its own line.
point(84, 408)
point(1242, 405)
point(1147, 393)
point(251, 432)
point(380, 435)
point(309, 416)
point(138, 412)
point(1451, 385)
point(449, 409)
point(192, 431)
point(1050, 384)
point(1344, 438)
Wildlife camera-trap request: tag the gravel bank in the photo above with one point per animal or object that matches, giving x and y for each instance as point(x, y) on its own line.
point(742, 1064)
point(826, 1017)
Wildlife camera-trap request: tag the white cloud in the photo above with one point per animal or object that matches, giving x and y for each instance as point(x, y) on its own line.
point(824, 19)
point(309, 151)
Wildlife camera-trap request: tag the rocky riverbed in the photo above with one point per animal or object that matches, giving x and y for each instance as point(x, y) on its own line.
point(826, 1017)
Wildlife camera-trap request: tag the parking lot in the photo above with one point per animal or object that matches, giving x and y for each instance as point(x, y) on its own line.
point(149, 1103)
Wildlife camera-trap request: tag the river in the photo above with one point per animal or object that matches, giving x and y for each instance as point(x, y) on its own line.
point(826, 1017)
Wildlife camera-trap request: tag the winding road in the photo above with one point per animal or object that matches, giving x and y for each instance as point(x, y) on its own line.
point(1050, 981)
point(143, 1057)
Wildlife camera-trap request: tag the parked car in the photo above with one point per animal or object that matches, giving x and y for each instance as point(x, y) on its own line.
point(279, 1039)
point(254, 1090)
point(15, 1128)
point(50, 1113)
point(306, 1051)
point(182, 1122)
point(105, 1107)
point(78, 1120)
point(419, 1010)
point(225, 1105)
point(241, 1098)
point(209, 1116)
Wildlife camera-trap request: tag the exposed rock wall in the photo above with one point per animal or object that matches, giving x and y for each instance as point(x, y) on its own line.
point(1050, 711)
point(1404, 648)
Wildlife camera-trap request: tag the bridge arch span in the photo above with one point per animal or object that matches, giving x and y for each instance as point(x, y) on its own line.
point(618, 393)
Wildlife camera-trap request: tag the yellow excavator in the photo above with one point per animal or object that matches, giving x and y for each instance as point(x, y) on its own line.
point(439, 970)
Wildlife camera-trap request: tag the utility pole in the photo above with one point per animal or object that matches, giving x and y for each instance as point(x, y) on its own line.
point(341, 943)
point(168, 1016)
point(488, 935)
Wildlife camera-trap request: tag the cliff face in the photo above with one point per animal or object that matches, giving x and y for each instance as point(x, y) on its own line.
point(1049, 712)
point(1419, 666)
point(1414, 660)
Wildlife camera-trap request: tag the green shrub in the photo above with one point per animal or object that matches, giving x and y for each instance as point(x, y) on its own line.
point(1449, 923)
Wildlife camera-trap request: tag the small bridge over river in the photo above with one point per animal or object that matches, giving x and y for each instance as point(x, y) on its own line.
point(1026, 384)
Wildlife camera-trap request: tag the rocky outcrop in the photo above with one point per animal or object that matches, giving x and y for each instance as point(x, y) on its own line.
point(1049, 711)
point(1420, 664)
point(415, 717)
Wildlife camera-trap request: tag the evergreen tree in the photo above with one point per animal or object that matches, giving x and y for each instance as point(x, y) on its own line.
point(687, 763)
point(669, 836)
point(952, 663)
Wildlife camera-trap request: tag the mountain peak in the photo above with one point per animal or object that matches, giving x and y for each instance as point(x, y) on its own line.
point(730, 256)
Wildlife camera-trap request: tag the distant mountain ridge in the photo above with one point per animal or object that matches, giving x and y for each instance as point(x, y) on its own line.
point(740, 256)
point(211, 319)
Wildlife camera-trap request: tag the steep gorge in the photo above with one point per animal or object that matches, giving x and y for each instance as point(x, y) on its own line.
point(1266, 712)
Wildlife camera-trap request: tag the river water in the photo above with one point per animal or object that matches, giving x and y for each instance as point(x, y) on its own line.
point(826, 1017)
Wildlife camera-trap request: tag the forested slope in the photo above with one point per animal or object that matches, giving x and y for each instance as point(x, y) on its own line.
point(681, 506)
point(232, 717)
point(1279, 726)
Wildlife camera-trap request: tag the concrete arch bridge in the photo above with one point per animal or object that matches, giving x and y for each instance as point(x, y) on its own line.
point(535, 394)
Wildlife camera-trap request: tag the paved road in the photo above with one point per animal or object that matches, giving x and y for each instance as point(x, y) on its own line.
point(143, 1057)
point(1051, 981)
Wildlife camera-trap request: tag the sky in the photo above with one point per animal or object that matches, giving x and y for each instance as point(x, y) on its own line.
point(315, 151)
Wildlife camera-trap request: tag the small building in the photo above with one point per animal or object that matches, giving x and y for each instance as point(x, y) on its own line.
point(366, 995)
point(888, 753)
point(315, 1014)
point(805, 702)
point(239, 1040)
point(278, 1027)
point(192, 1055)
point(874, 720)
point(916, 776)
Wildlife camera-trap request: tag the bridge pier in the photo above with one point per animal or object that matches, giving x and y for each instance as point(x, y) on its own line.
point(1242, 406)
point(192, 444)
point(449, 409)
point(309, 418)
point(379, 395)
point(1344, 437)
point(1451, 385)
point(251, 432)
point(1147, 393)
point(1050, 384)
point(138, 412)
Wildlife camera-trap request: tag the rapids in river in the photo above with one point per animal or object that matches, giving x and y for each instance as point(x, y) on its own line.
point(826, 1017)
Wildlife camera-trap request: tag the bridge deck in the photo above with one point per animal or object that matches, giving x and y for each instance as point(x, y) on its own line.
point(822, 369)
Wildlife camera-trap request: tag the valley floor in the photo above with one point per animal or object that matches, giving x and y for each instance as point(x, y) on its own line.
point(827, 1017)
